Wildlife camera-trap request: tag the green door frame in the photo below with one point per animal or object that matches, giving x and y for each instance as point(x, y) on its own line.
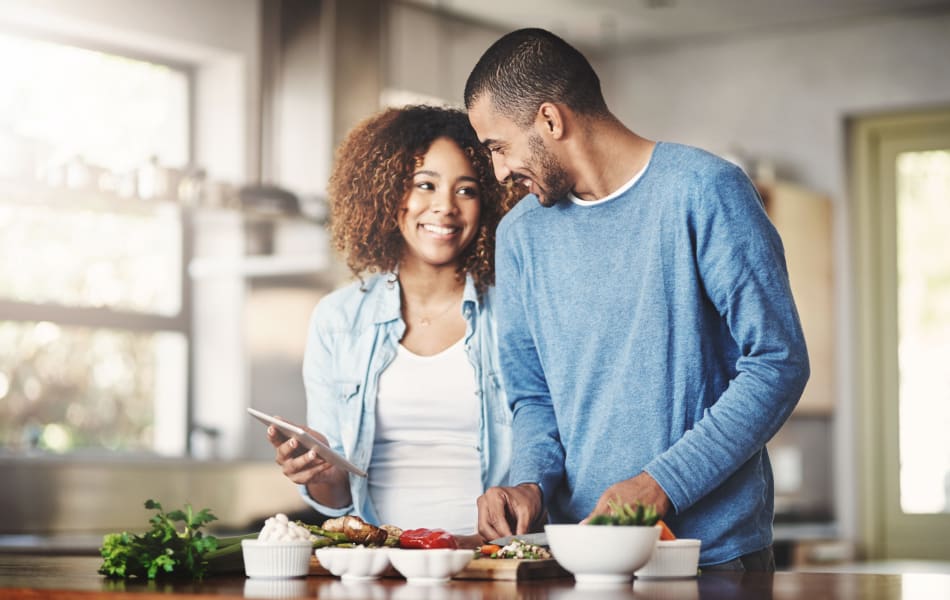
point(874, 142)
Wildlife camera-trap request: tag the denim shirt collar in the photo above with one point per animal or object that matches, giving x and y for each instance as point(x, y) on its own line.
point(389, 304)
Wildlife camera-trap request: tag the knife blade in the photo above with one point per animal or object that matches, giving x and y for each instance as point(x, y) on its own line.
point(537, 539)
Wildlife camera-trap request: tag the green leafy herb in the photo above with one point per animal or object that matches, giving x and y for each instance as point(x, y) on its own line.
point(624, 514)
point(167, 549)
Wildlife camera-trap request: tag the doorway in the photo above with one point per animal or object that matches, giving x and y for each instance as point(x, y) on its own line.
point(901, 231)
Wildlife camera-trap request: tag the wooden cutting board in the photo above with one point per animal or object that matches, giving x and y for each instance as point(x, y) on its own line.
point(512, 569)
point(501, 569)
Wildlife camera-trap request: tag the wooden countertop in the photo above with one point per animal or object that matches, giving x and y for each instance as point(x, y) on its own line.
point(35, 576)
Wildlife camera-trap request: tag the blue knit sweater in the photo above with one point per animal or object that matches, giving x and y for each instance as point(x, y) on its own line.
point(653, 332)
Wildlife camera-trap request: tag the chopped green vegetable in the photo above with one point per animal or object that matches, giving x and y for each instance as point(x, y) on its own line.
point(520, 549)
point(624, 514)
point(163, 550)
point(336, 537)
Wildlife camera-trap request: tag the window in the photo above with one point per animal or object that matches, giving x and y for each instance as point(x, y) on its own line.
point(60, 102)
point(94, 333)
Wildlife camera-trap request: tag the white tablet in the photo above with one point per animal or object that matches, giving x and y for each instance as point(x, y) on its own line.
point(307, 441)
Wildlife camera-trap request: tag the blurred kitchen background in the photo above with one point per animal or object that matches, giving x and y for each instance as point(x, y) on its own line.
point(163, 166)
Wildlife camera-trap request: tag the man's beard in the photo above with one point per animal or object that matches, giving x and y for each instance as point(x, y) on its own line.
point(554, 179)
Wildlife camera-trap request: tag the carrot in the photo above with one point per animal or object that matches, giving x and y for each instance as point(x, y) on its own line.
point(665, 532)
point(489, 549)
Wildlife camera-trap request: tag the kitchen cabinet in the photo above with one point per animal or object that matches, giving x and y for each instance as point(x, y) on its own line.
point(804, 220)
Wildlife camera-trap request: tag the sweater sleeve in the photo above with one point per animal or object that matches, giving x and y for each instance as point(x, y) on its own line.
point(538, 456)
point(741, 263)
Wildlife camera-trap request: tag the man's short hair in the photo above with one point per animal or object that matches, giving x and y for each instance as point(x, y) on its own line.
point(528, 67)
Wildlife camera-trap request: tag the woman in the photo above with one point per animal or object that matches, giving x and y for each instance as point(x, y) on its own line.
point(401, 367)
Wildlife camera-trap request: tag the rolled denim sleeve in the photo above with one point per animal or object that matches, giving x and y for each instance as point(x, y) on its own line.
point(318, 383)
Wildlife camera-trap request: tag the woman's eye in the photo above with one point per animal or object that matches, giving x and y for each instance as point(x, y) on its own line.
point(425, 185)
point(468, 191)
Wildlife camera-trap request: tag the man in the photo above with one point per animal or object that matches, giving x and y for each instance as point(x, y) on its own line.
point(649, 342)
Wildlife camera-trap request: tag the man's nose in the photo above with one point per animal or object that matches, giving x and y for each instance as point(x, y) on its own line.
point(502, 172)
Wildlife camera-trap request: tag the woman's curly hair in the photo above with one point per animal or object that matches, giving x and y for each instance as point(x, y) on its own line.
point(372, 174)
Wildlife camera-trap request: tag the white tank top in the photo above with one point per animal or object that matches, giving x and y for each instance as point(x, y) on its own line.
point(426, 470)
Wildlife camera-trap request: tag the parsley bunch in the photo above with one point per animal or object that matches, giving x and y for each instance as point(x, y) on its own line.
point(163, 550)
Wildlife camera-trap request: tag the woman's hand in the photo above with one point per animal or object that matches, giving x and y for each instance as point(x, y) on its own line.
point(326, 484)
point(296, 462)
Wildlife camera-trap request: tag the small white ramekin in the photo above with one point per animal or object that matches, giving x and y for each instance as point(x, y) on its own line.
point(672, 558)
point(276, 559)
point(437, 565)
point(354, 564)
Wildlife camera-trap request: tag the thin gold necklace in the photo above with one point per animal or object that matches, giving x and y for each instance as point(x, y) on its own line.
point(427, 320)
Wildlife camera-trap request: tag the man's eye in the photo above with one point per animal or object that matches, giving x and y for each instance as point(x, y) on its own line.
point(497, 150)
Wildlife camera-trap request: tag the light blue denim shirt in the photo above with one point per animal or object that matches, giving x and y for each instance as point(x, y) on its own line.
point(354, 334)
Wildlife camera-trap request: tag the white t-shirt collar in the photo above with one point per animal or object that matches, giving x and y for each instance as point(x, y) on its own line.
point(621, 190)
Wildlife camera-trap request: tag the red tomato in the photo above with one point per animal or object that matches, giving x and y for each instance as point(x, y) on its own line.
point(427, 539)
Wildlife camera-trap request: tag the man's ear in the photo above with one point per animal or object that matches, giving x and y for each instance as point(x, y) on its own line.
point(550, 120)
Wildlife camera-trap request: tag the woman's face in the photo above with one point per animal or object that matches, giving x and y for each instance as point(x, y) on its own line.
point(439, 215)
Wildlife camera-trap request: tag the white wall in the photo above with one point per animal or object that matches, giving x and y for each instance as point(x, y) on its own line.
point(784, 97)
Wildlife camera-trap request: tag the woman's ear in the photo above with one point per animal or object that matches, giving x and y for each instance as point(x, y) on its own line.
point(550, 120)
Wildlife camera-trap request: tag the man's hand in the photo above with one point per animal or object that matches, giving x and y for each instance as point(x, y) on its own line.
point(642, 488)
point(509, 510)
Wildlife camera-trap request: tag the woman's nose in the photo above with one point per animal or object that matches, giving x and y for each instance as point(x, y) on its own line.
point(443, 201)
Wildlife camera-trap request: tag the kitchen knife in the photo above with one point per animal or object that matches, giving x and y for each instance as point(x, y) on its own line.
point(536, 539)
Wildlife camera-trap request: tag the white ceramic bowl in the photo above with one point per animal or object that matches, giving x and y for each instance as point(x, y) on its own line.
point(276, 559)
point(673, 558)
point(437, 565)
point(354, 564)
point(602, 554)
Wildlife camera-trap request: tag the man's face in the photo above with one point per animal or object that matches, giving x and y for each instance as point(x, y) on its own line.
point(520, 154)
